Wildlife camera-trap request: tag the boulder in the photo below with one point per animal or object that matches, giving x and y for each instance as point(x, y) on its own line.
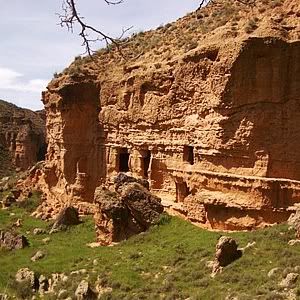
point(122, 179)
point(144, 206)
point(16, 193)
point(289, 281)
point(4, 180)
point(226, 252)
point(43, 284)
point(38, 231)
point(114, 222)
point(8, 200)
point(293, 242)
point(28, 276)
point(56, 280)
point(273, 272)
point(84, 292)
point(294, 221)
point(68, 216)
point(110, 203)
point(18, 223)
point(12, 241)
point(129, 210)
point(46, 240)
point(38, 255)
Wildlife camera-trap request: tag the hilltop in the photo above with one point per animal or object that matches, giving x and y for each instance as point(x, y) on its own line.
point(219, 22)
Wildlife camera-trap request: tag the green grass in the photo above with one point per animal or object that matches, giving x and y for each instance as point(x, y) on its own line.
point(168, 260)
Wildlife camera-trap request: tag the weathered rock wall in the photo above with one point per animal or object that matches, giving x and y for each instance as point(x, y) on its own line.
point(74, 161)
point(213, 127)
point(22, 133)
point(215, 132)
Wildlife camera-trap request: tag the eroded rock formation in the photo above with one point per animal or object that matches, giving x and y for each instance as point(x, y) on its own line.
point(226, 252)
point(213, 127)
point(22, 137)
point(128, 210)
point(12, 241)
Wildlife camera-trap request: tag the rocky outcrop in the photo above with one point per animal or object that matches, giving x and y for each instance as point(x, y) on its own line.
point(213, 125)
point(22, 137)
point(294, 221)
point(226, 252)
point(84, 291)
point(67, 217)
point(12, 241)
point(28, 276)
point(130, 210)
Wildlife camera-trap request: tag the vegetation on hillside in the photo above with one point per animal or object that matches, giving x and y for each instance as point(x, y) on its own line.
point(168, 262)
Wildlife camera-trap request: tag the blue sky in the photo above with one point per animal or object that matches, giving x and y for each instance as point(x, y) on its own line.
point(33, 46)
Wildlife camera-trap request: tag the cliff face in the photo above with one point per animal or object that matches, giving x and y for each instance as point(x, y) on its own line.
point(22, 137)
point(214, 127)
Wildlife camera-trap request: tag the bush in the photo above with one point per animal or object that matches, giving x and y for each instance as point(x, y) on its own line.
point(163, 219)
point(23, 290)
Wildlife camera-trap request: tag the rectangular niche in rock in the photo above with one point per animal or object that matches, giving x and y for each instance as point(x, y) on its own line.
point(182, 191)
point(123, 160)
point(146, 162)
point(188, 154)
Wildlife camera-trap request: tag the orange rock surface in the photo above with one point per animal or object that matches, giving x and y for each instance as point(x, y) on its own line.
point(22, 133)
point(210, 118)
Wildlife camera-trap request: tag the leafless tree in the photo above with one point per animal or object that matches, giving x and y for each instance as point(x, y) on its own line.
point(70, 16)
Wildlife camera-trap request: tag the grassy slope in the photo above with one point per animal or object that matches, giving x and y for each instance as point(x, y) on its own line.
point(170, 259)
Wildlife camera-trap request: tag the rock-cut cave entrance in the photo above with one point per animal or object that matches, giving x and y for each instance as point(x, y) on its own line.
point(188, 154)
point(182, 191)
point(42, 151)
point(123, 160)
point(146, 162)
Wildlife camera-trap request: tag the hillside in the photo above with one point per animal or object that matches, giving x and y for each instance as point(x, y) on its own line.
point(22, 137)
point(203, 113)
point(206, 108)
point(219, 22)
point(171, 261)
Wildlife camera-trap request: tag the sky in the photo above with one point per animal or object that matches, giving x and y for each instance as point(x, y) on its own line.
point(34, 47)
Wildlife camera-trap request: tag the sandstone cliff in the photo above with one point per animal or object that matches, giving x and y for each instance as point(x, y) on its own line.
point(205, 108)
point(22, 137)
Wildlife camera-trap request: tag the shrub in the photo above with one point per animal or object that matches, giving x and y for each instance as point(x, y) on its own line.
point(164, 219)
point(23, 290)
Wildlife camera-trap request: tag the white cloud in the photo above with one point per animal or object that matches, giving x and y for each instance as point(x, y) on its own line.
point(34, 46)
point(13, 80)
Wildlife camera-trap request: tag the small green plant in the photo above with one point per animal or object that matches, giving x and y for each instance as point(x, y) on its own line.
point(163, 219)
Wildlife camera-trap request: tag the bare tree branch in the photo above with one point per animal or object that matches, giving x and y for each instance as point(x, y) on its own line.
point(90, 34)
point(70, 16)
